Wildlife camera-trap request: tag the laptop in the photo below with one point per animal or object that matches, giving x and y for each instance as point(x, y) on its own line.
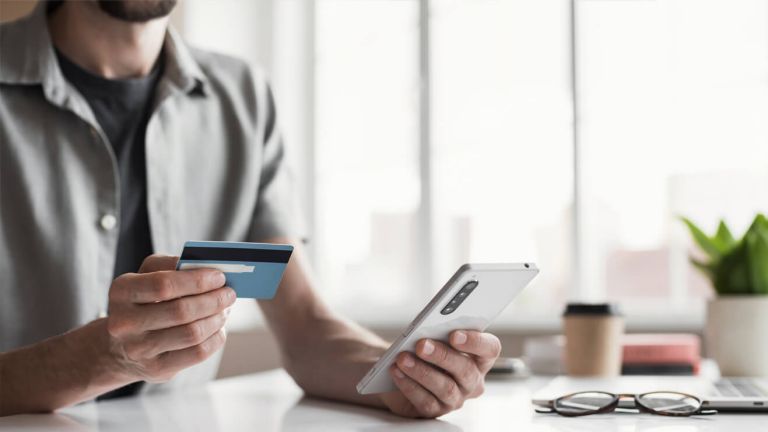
point(725, 394)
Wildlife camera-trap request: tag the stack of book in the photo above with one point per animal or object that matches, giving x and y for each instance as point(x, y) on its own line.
point(661, 354)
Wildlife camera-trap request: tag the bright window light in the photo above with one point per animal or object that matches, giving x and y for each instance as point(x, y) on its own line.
point(673, 107)
point(502, 141)
point(671, 102)
point(367, 179)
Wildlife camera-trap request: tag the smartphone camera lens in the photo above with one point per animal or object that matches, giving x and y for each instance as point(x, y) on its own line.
point(459, 298)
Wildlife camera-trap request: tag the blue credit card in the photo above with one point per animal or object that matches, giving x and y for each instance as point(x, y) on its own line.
point(253, 270)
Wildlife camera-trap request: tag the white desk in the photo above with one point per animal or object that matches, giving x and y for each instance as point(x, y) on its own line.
point(270, 401)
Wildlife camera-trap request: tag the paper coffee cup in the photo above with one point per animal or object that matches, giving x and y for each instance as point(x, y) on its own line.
point(593, 339)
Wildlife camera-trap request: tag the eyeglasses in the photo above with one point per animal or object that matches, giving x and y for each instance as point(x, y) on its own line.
point(596, 402)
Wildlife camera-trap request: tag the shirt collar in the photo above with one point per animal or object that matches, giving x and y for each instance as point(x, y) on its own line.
point(180, 67)
point(28, 58)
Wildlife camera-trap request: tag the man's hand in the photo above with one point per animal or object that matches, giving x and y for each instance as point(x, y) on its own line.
point(162, 321)
point(440, 377)
point(327, 355)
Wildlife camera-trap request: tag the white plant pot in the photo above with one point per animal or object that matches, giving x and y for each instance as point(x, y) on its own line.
point(736, 334)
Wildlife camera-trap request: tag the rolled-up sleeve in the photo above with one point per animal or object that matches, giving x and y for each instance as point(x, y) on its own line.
point(277, 212)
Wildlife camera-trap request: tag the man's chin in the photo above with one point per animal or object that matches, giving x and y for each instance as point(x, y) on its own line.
point(137, 10)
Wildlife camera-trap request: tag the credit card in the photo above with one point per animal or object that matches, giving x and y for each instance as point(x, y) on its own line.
point(253, 270)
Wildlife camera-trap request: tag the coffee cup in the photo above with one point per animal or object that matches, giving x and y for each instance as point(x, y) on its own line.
point(593, 339)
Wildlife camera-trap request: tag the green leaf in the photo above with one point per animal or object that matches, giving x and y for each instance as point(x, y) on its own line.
point(723, 238)
point(736, 267)
point(761, 223)
point(707, 269)
point(705, 243)
point(757, 246)
point(732, 275)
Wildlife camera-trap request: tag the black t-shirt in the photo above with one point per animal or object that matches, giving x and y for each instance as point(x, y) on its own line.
point(123, 108)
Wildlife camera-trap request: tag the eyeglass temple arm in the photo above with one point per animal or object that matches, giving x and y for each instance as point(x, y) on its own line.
point(549, 408)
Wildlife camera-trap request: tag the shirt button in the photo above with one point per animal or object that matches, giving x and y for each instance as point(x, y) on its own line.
point(108, 221)
point(102, 313)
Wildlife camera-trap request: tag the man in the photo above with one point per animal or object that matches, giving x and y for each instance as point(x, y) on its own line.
point(117, 141)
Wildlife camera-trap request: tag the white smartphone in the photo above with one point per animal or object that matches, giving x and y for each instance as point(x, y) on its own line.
point(470, 300)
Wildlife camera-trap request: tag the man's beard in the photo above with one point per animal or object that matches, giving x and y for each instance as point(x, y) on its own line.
point(137, 10)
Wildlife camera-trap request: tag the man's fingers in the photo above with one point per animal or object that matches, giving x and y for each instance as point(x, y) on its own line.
point(156, 262)
point(183, 336)
point(441, 385)
point(181, 359)
point(166, 285)
point(462, 368)
point(485, 346)
point(184, 310)
point(424, 402)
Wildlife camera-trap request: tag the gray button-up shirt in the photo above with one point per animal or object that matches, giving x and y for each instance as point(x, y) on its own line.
point(216, 170)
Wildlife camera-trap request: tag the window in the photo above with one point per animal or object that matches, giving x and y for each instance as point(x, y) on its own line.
point(572, 133)
point(397, 215)
point(367, 179)
point(673, 102)
point(502, 150)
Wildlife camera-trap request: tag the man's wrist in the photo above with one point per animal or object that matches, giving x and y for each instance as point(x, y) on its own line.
point(91, 345)
point(60, 371)
point(110, 368)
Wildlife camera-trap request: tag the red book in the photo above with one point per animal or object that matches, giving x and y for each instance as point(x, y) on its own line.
point(655, 354)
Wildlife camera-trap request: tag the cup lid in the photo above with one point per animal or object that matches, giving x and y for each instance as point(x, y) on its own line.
point(592, 309)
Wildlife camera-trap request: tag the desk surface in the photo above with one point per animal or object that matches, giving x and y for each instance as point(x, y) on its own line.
point(270, 401)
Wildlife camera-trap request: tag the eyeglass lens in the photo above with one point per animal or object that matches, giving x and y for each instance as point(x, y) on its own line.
point(667, 402)
point(582, 403)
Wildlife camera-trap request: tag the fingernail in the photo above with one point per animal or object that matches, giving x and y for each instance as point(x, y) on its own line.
point(398, 373)
point(218, 279)
point(429, 348)
point(408, 362)
point(459, 338)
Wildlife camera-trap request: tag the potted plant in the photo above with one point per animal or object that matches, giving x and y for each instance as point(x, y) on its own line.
point(736, 329)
